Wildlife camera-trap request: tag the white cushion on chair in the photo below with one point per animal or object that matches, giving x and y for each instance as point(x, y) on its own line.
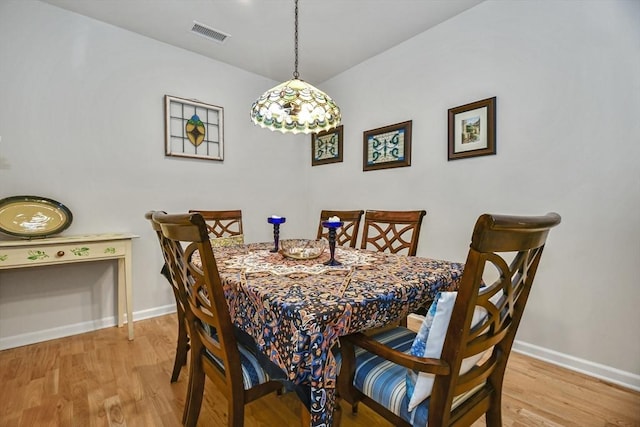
point(429, 342)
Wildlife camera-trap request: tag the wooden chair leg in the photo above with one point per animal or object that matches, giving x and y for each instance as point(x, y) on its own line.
point(188, 397)
point(195, 394)
point(346, 390)
point(182, 348)
point(493, 417)
point(236, 413)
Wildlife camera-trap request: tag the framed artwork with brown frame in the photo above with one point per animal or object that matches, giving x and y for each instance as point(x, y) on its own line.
point(387, 147)
point(326, 146)
point(472, 129)
point(193, 129)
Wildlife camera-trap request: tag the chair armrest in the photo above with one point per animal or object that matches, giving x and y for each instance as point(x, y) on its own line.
point(422, 364)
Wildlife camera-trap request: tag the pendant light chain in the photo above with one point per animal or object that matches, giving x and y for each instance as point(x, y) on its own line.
point(295, 106)
point(295, 72)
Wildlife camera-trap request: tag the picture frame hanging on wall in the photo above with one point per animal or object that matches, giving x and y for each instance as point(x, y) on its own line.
point(326, 146)
point(387, 147)
point(472, 129)
point(193, 129)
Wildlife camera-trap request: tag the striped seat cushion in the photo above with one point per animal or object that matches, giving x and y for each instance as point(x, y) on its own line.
point(384, 381)
point(252, 371)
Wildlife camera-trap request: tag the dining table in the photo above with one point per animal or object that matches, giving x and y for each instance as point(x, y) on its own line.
point(296, 309)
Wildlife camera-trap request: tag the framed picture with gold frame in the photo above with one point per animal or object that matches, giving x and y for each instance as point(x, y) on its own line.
point(472, 129)
point(387, 147)
point(193, 129)
point(326, 146)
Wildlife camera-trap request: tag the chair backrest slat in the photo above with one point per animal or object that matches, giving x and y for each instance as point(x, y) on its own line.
point(501, 264)
point(348, 233)
point(392, 231)
point(194, 270)
point(222, 223)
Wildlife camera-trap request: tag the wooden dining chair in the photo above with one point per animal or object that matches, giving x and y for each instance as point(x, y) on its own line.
point(451, 372)
point(224, 227)
point(348, 233)
point(215, 352)
point(182, 345)
point(392, 231)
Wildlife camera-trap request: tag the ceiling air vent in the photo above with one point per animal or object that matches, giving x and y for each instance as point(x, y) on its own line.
point(209, 32)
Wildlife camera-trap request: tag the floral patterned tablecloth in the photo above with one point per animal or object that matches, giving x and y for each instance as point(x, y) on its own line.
point(296, 310)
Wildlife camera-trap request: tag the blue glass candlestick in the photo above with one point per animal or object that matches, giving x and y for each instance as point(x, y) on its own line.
point(332, 226)
point(276, 221)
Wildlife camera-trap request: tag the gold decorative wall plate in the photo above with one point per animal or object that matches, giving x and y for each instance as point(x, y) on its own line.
point(33, 216)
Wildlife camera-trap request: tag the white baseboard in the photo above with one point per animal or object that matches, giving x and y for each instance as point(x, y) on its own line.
point(78, 328)
point(597, 370)
point(155, 312)
point(603, 372)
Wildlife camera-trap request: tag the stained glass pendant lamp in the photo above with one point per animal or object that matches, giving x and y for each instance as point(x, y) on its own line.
point(295, 106)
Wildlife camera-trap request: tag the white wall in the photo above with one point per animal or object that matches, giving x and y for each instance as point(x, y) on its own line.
point(567, 80)
point(81, 122)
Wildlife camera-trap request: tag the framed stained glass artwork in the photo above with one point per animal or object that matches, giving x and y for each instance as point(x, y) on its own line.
point(193, 129)
point(326, 146)
point(387, 147)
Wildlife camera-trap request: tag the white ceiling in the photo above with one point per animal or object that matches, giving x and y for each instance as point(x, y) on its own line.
point(334, 35)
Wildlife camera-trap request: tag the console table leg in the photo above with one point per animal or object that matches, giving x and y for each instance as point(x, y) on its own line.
point(125, 293)
point(129, 290)
point(122, 286)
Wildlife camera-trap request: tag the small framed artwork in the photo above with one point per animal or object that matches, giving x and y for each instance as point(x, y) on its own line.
point(326, 147)
point(193, 129)
point(387, 147)
point(472, 129)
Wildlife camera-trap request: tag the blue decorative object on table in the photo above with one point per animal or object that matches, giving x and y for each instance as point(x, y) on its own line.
point(332, 224)
point(276, 221)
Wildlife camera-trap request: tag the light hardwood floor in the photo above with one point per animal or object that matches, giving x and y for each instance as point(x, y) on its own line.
point(102, 379)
